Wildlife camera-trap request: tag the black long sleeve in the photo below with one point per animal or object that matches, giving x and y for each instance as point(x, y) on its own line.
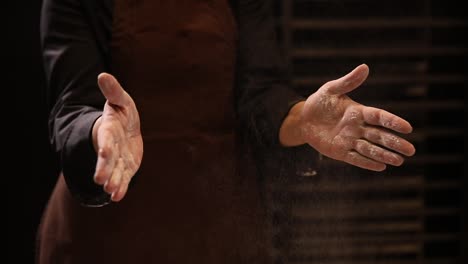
point(74, 53)
point(264, 93)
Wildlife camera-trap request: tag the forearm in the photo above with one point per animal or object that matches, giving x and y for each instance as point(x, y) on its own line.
point(73, 57)
point(290, 133)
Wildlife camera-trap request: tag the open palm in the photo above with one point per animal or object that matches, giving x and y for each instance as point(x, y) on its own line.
point(345, 130)
point(117, 139)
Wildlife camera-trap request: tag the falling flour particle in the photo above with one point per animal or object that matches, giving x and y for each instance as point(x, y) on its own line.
point(307, 173)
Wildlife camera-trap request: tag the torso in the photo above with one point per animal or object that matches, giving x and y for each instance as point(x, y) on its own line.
point(191, 203)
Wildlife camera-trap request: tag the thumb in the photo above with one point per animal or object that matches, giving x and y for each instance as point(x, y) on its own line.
point(350, 81)
point(112, 90)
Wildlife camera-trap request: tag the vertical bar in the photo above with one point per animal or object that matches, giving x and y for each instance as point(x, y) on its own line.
point(426, 13)
point(286, 25)
point(464, 214)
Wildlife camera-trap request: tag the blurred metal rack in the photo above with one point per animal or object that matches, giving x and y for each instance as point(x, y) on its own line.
point(418, 55)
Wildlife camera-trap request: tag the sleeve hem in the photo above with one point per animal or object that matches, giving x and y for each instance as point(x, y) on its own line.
point(79, 162)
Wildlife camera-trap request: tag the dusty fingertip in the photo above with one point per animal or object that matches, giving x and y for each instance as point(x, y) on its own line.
point(412, 151)
point(102, 75)
point(382, 168)
point(399, 162)
point(403, 127)
point(101, 79)
point(365, 67)
point(115, 197)
point(99, 178)
point(104, 80)
point(363, 70)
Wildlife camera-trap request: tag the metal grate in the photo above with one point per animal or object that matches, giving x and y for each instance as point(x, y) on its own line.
point(419, 64)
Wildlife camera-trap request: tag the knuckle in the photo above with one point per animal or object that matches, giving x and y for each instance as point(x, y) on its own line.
point(329, 84)
point(105, 151)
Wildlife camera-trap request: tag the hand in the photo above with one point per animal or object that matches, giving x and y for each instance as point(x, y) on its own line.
point(345, 130)
point(117, 139)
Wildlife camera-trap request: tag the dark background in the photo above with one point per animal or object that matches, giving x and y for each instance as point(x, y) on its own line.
point(33, 175)
point(34, 172)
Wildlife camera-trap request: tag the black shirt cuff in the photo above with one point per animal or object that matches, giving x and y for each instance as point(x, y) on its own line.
point(79, 163)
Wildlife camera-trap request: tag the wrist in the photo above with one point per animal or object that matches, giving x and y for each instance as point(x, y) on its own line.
point(96, 126)
point(290, 133)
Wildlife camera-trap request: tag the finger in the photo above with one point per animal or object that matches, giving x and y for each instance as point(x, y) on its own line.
point(112, 90)
point(105, 160)
point(358, 160)
point(379, 117)
point(377, 153)
point(120, 193)
point(114, 181)
point(389, 141)
point(348, 82)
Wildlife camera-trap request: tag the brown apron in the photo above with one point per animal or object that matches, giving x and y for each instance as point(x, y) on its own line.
point(192, 202)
